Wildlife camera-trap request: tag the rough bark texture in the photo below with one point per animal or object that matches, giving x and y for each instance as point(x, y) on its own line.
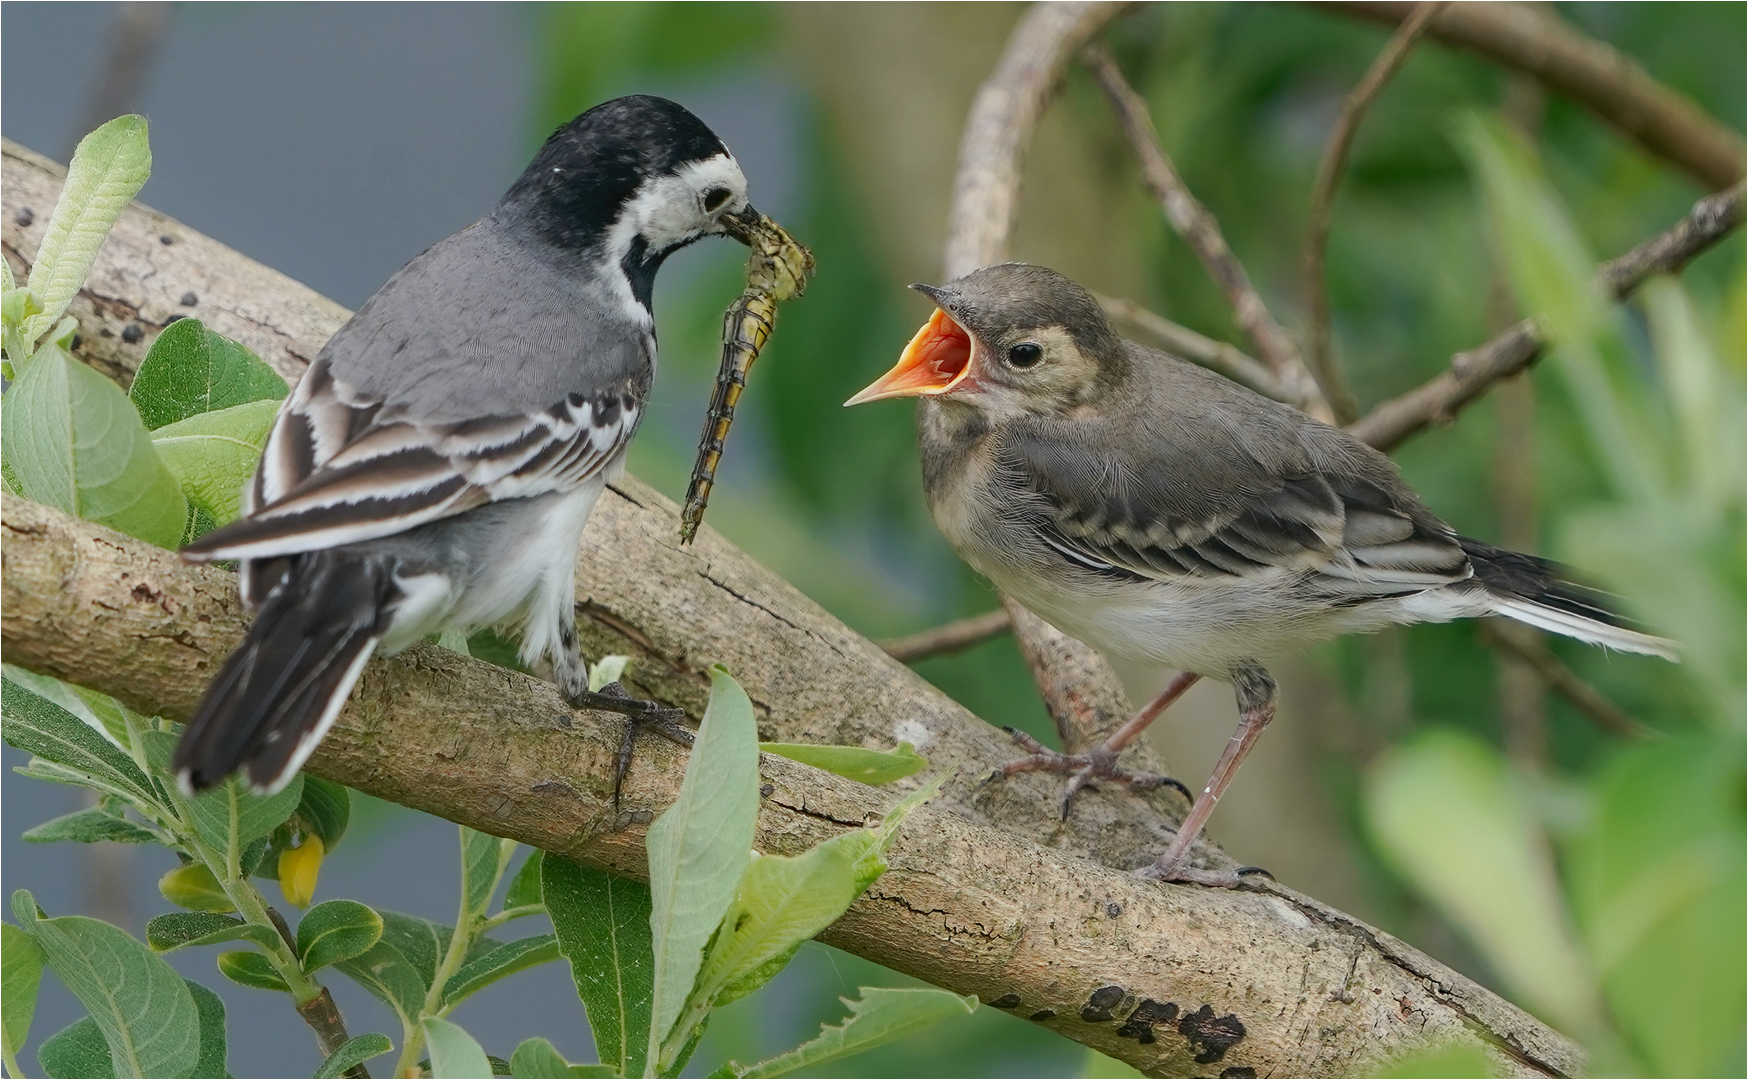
point(989, 894)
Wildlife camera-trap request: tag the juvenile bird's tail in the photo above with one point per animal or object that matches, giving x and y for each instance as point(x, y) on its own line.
point(278, 693)
point(1535, 591)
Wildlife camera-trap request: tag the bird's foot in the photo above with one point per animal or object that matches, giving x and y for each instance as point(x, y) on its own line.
point(1230, 878)
point(1084, 770)
point(640, 715)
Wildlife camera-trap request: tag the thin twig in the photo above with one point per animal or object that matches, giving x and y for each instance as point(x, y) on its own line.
point(1592, 73)
point(948, 638)
point(1330, 171)
point(1472, 372)
point(135, 34)
point(1201, 230)
point(1560, 679)
point(1228, 360)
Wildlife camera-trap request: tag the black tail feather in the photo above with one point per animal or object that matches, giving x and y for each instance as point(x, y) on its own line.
point(1526, 577)
point(290, 673)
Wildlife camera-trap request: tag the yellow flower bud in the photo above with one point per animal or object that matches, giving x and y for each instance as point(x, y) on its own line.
point(192, 886)
point(298, 868)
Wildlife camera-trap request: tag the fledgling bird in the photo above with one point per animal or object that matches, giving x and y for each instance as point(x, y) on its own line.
point(434, 467)
point(1164, 514)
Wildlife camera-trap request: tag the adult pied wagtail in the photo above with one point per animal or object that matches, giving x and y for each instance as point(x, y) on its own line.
point(434, 467)
point(1164, 514)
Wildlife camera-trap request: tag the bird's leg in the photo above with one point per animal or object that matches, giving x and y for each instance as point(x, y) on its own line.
point(1100, 763)
point(1256, 707)
point(572, 676)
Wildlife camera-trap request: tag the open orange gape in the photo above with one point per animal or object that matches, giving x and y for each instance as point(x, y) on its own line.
point(936, 360)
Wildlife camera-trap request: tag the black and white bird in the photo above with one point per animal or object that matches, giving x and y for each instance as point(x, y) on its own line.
point(434, 467)
point(1164, 514)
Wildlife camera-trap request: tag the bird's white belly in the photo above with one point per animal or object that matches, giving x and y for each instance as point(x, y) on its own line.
point(528, 572)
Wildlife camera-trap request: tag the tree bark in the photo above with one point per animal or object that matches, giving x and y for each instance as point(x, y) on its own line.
point(988, 892)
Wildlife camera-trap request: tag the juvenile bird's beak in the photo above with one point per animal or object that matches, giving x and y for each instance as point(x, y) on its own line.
point(935, 361)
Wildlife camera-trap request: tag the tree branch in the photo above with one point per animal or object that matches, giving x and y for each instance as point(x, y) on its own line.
point(1201, 231)
point(1559, 678)
point(1330, 170)
point(1590, 72)
point(988, 892)
point(1181, 340)
point(1474, 371)
point(947, 638)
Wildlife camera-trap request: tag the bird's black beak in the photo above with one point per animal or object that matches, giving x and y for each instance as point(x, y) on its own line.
point(744, 224)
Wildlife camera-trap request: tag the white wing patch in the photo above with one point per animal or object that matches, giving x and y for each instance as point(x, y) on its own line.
point(339, 469)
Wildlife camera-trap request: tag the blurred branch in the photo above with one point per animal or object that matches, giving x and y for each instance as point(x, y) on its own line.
point(998, 131)
point(988, 893)
point(1227, 360)
point(1330, 170)
point(1201, 230)
point(135, 33)
point(1474, 371)
point(1561, 679)
point(948, 638)
point(1590, 72)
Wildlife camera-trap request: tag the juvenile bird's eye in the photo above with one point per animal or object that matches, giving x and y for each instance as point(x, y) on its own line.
point(1025, 354)
point(714, 198)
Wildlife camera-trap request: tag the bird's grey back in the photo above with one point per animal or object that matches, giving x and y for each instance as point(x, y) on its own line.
point(487, 322)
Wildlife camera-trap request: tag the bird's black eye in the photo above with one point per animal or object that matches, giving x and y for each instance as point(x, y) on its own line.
point(1025, 354)
point(714, 198)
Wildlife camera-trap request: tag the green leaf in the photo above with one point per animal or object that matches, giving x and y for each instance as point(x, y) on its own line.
point(193, 885)
point(251, 969)
point(483, 860)
point(608, 669)
point(325, 810)
point(1447, 813)
point(537, 1059)
point(77, 1050)
point(498, 963)
point(336, 930)
point(603, 925)
point(141, 1005)
point(453, 1051)
point(190, 370)
point(108, 169)
point(854, 762)
point(21, 961)
point(74, 442)
point(399, 969)
point(89, 826)
point(40, 727)
point(882, 1015)
point(213, 455)
point(524, 890)
point(698, 850)
point(180, 929)
point(1658, 884)
point(256, 815)
point(354, 1051)
point(212, 1031)
point(103, 713)
point(1450, 1060)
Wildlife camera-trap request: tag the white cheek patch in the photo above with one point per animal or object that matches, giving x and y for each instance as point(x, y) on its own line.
point(667, 210)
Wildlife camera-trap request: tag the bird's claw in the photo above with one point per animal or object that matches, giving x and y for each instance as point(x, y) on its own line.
point(639, 715)
point(1085, 770)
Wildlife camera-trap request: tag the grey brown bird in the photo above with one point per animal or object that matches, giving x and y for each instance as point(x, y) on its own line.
point(1164, 514)
point(434, 467)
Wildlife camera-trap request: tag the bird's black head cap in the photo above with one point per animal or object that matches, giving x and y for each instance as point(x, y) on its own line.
point(588, 168)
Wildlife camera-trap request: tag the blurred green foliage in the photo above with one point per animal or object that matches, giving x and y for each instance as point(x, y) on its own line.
point(1447, 228)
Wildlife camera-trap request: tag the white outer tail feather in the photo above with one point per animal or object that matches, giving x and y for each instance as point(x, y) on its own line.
point(1565, 623)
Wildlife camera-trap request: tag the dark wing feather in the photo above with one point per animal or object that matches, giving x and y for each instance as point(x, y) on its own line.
point(1223, 485)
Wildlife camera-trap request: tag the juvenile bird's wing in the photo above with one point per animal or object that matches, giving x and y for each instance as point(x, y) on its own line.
point(1216, 486)
point(412, 413)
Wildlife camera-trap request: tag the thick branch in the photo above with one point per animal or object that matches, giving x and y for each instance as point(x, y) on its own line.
point(1590, 72)
point(1330, 170)
point(1060, 932)
point(1474, 371)
point(1201, 231)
